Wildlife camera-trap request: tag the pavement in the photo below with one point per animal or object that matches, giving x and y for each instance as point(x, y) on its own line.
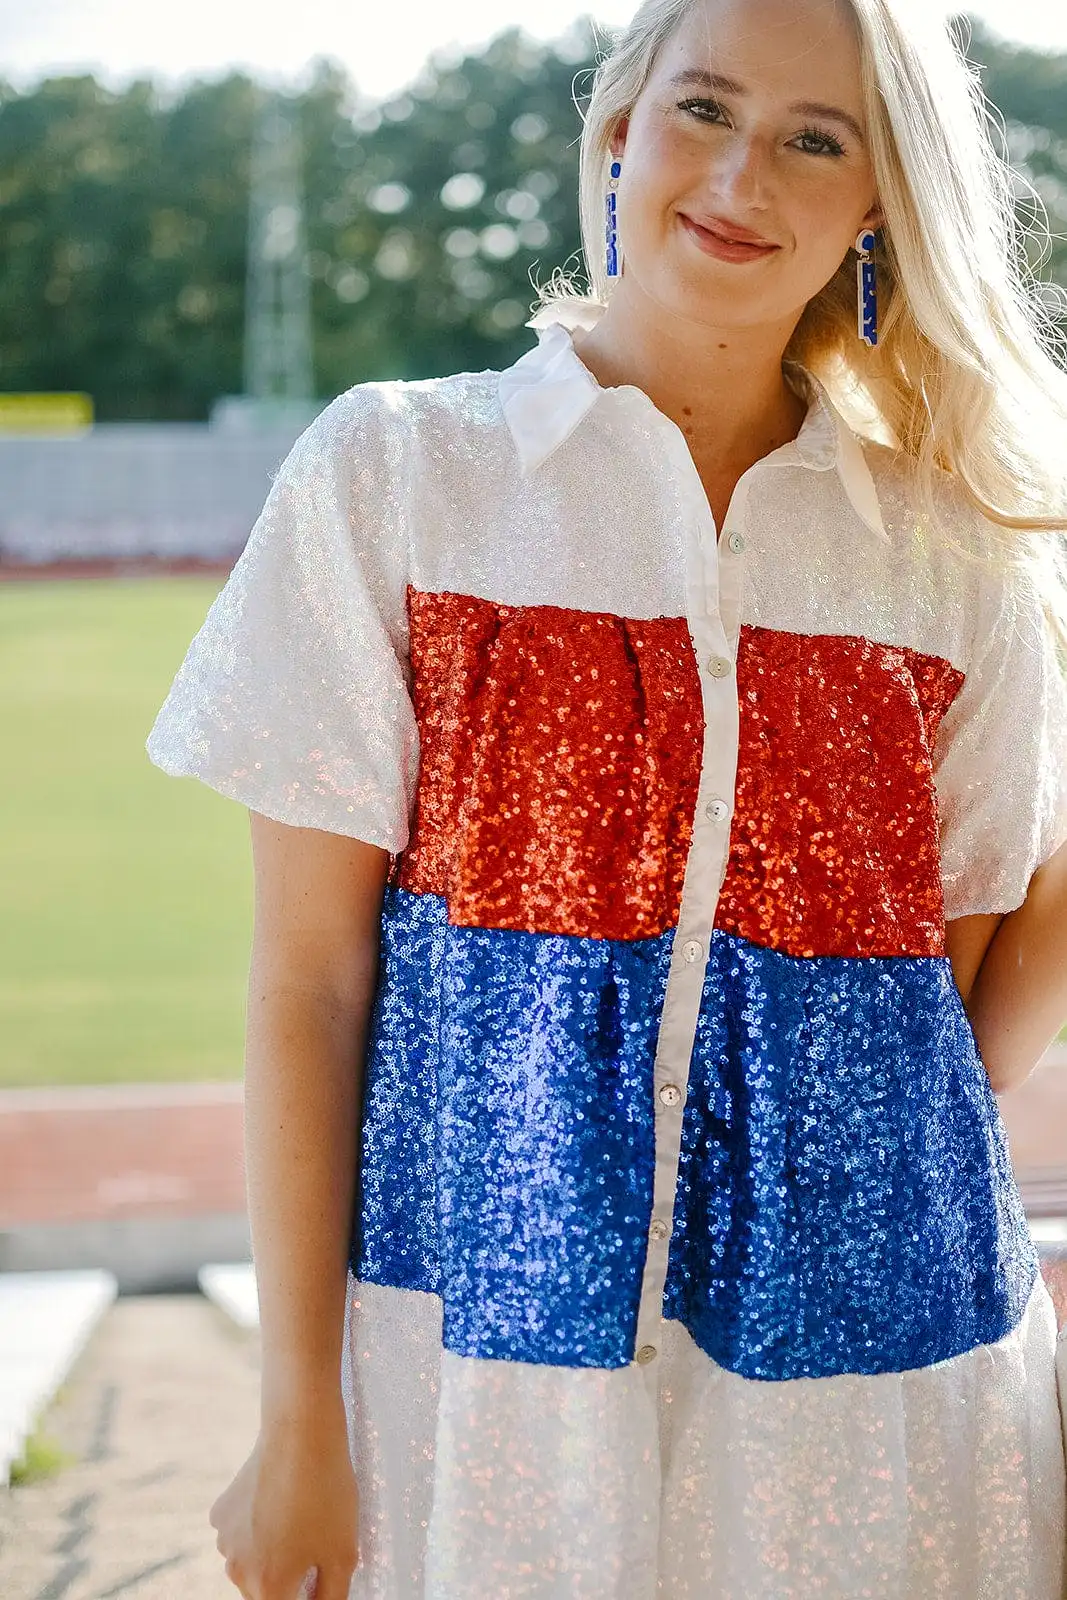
point(157, 1415)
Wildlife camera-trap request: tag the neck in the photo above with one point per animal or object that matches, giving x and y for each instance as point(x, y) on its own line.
point(722, 386)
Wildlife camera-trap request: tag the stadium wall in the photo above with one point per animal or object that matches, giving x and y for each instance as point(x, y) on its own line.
point(134, 492)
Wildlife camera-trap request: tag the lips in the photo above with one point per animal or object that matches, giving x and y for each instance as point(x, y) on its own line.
point(722, 249)
point(732, 233)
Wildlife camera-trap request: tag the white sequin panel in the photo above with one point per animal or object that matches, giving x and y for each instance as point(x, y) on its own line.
point(294, 695)
point(596, 527)
point(1002, 758)
point(496, 1478)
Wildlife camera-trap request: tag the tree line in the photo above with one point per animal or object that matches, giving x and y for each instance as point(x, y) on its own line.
point(123, 217)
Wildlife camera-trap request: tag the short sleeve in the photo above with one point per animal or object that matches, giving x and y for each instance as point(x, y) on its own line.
point(1000, 756)
point(294, 697)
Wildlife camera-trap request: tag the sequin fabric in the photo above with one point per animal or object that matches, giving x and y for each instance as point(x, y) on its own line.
point(509, 1149)
point(559, 768)
point(687, 1259)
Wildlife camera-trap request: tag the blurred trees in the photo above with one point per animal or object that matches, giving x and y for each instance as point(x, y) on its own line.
point(123, 218)
point(122, 243)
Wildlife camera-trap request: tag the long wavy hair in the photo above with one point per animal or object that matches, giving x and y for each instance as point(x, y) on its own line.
point(964, 377)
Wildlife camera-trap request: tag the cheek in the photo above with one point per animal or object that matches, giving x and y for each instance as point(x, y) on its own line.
point(669, 166)
point(820, 212)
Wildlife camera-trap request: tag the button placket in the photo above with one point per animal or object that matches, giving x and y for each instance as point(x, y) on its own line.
point(713, 588)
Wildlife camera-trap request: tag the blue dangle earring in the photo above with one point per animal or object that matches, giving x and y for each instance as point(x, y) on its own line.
point(610, 208)
point(866, 289)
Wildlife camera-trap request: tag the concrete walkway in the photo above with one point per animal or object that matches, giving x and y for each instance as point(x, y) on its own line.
point(159, 1412)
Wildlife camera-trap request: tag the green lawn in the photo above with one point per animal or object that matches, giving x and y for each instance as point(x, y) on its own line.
point(125, 895)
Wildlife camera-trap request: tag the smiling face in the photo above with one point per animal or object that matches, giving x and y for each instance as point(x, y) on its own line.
point(726, 130)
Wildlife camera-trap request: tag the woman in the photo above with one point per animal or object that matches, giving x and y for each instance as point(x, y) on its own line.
point(658, 808)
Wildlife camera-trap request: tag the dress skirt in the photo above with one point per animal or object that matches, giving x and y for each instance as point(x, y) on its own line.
point(504, 1480)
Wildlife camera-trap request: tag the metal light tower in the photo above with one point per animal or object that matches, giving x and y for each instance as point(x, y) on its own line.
point(277, 349)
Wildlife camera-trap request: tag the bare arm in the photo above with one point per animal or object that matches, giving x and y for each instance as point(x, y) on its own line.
point(311, 985)
point(1018, 1000)
point(966, 941)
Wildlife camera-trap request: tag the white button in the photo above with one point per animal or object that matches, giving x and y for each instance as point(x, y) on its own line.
point(719, 666)
point(659, 1229)
point(692, 950)
point(717, 810)
point(736, 541)
point(671, 1095)
point(646, 1353)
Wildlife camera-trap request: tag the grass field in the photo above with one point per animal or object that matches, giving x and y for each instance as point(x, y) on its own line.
point(125, 895)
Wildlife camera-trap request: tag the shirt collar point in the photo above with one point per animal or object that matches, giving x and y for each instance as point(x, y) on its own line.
point(545, 394)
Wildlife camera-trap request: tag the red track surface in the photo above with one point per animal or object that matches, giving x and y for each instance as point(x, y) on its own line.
point(141, 567)
point(177, 1150)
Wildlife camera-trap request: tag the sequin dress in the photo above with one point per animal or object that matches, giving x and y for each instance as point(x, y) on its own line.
point(687, 1258)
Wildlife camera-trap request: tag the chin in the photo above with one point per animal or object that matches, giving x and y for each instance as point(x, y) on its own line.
point(688, 296)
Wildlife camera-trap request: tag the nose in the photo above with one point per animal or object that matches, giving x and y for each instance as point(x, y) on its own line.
point(741, 170)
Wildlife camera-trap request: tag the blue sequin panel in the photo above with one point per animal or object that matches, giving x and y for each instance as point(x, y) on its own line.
point(845, 1198)
point(508, 1142)
point(845, 1201)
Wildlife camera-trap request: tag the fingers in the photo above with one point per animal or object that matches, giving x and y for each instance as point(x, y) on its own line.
point(315, 1585)
point(332, 1584)
point(232, 1573)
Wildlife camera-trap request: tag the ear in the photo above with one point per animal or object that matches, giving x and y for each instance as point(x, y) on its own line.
point(875, 218)
point(617, 143)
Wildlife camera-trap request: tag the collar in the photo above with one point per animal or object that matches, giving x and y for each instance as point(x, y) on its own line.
point(547, 392)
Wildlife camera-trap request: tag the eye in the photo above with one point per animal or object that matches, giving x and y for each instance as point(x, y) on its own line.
point(830, 145)
point(695, 105)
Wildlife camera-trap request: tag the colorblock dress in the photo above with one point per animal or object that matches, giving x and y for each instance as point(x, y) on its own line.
point(687, 1259)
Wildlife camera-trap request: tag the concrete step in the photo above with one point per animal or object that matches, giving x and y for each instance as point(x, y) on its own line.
point(45, 1321)
point(232, 1287)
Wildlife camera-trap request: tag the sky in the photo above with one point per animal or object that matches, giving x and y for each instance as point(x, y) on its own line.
point(382, 43)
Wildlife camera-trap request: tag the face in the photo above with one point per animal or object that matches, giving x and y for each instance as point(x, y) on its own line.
point(720, 133)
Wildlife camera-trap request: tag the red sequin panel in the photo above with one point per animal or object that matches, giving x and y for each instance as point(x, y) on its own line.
point(560, 754)
point(834, 843)
point(559, 758)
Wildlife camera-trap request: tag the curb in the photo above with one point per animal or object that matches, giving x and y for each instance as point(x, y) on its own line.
point(45, 1321)
point(143, 1255)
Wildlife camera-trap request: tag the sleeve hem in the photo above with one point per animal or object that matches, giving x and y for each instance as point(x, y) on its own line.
point(311, 811)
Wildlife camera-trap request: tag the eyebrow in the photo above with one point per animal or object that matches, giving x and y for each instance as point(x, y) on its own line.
point(716, 81)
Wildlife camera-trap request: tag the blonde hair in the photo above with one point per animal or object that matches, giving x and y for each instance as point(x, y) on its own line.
point(963, 378)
